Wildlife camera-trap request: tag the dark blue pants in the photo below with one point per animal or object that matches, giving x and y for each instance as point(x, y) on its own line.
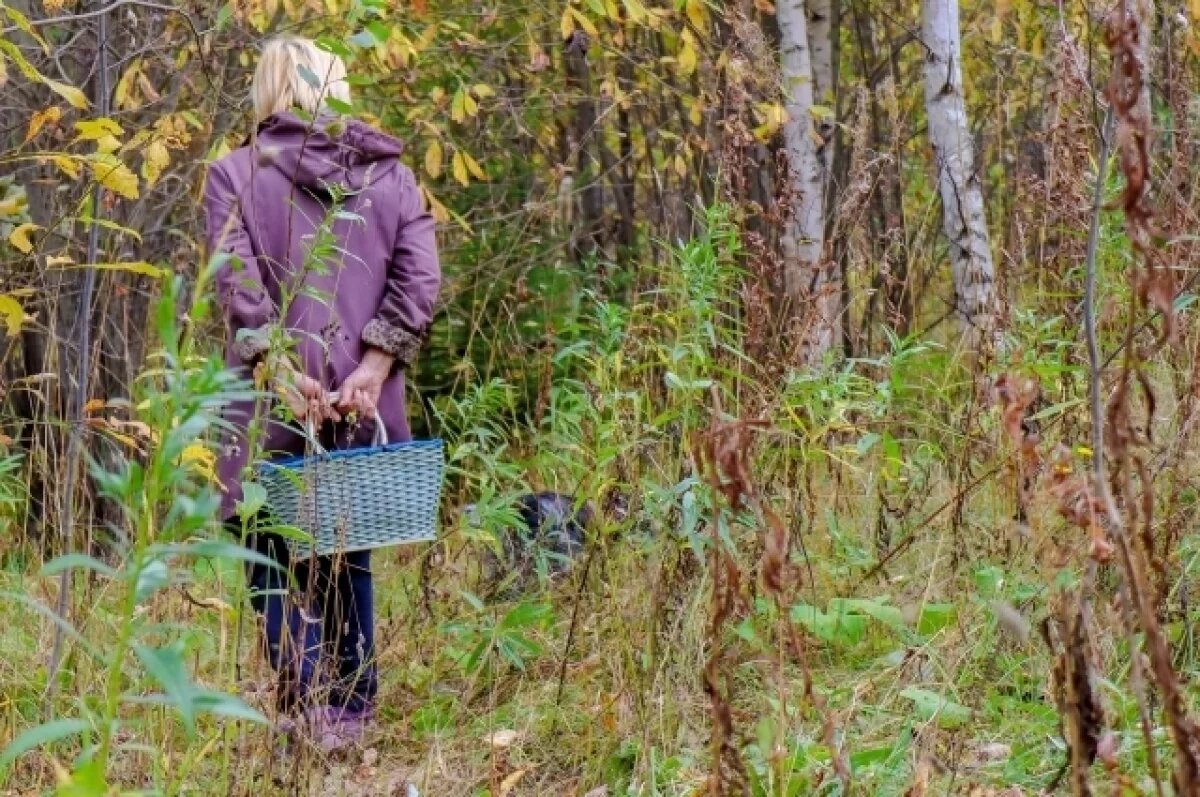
point(320, 629)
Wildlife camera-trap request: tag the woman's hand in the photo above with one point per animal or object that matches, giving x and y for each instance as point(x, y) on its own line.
point(360, 392)
point(304, 396)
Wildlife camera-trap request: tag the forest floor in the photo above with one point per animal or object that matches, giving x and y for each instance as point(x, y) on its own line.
point(931, 671)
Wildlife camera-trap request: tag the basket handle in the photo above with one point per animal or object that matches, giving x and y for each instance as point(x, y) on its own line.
point(378, 438)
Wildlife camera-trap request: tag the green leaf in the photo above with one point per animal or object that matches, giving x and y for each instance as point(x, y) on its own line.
point(863, 759)
point(77, 561)
point(890, 616)
point(254, 498)
point(674, 382)
point(166, 666)
point(835, 629)
point(363, 39)
point(340, 106)
point(932, 706)
point(53, 731)
point(935, 617)
point(988, 579)
point(225, 705)
point(309, 76)
point(153, 576)
point(525, 615)
point(224, 16)
point(86, 781)
point(218, 549)
point(867, 442)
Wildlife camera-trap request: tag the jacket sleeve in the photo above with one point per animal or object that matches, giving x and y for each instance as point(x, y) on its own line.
point(249, 310)
point(401, 324)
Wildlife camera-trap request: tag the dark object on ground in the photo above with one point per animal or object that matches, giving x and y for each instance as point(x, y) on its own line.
point(551, 535)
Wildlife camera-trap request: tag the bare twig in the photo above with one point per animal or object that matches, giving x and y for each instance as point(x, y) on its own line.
point(83, 328)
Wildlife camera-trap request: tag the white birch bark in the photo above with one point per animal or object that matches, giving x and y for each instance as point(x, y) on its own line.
point(964, 220)
point(812, 290)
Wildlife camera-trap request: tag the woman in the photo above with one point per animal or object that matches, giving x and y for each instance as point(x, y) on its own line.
point(324, 242)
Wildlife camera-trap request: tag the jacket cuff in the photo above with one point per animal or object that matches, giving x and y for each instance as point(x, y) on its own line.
point(249, 345)
point(396, 341)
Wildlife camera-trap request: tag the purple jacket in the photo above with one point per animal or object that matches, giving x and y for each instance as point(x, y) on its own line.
point(374, 286)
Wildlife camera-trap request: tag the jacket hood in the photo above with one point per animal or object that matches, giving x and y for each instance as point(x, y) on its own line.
point(324, 152)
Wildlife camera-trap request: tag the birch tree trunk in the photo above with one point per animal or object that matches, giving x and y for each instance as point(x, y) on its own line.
point(813, 290)
point(963, 215)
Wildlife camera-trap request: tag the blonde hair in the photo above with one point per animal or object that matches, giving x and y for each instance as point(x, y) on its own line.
point(280, 80)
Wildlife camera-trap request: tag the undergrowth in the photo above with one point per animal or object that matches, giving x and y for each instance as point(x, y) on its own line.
point(916, 582)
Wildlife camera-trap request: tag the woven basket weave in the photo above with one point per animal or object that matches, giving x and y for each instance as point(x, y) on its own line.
point(361, 498)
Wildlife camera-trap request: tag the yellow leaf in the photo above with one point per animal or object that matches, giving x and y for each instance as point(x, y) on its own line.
point(74, 96)
point(474, 168)
point(458, 167)
point(114, 175)
point(107, 144)
point(687, 57)
point(22, 22)
point(93, 405)
point(133, 267)
point(436, 209)
point(123, 438)
point(19, 237)
point(1002, 8)
point(109, 225)
point(42, 118)
point(155, 158)
point(66, 165)
point(3, 73)
point(567, 24)
point(12, 314)
point(96, 129)
point(12, 205)
point(584, 22)
point(121, 94)
point(696, 112)
point(635, 10)
point(697, 13)
point(470, 107)
point(58, 261)
point(427, 36)
point(681, 167)
point(483, 90)
point(433, 159)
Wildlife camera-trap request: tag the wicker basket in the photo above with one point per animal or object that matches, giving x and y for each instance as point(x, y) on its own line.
point(360, 498)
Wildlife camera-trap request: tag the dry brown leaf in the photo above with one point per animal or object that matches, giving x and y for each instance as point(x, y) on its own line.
point(510, 782)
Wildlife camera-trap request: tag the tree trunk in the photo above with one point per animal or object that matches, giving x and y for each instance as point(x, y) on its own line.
point(963, 215)
point(811, 285)
point(821, 46)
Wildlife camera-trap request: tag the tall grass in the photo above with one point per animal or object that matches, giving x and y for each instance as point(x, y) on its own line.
point(915, 588)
